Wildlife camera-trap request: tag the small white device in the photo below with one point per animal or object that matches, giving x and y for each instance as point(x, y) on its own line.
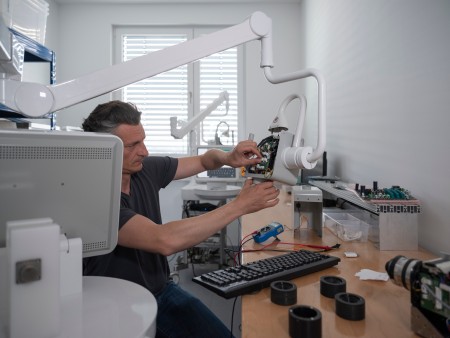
point(282, 153)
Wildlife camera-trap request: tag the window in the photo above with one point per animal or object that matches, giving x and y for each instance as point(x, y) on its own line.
point(181, 92)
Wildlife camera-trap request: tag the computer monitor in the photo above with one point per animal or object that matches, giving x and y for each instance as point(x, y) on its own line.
point(74, 178)
point(224, 174)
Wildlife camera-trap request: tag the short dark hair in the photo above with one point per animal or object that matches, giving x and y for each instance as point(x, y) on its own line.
point(106, 117)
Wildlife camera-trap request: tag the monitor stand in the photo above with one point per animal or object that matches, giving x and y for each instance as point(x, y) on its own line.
point(43, 293)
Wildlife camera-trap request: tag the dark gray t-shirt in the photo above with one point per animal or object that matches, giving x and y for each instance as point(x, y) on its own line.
point(144, 268)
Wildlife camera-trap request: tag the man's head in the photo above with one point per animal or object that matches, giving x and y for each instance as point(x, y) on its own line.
point(123, 120)
point(106, 117)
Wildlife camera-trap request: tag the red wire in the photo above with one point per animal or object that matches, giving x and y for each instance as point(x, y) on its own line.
point(250, 234)
point(242, 241)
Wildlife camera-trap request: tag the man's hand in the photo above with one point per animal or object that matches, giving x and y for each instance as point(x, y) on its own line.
point(245, 153)
point(254, 197)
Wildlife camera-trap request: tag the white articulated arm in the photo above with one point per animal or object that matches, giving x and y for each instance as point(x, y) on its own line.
point(180, 133)
point(36, 100)
point(295, 156)
point(280, 123)
point(321, 141)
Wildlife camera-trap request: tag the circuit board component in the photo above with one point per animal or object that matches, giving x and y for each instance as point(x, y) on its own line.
point(268, 148)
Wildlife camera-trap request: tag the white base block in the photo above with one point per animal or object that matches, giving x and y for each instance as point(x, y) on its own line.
point(27, 317)
point(71, 280)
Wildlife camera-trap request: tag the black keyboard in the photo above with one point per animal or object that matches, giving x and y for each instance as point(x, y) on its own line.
point(235, 281)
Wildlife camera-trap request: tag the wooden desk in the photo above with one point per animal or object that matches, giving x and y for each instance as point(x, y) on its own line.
point(387, 305)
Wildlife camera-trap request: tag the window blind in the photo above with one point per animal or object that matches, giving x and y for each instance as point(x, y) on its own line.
point(219, 72)
point(159, 97)
point(182, 92)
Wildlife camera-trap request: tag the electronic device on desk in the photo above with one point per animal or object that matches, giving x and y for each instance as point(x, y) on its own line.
point(271, 230)
point(221, 183)
point(246, 278)
point(272, 166)
point(283, 153)
point(59, 201)
point(429, 284)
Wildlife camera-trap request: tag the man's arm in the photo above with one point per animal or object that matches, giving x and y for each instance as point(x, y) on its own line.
point(245, 153)
point(141, 233)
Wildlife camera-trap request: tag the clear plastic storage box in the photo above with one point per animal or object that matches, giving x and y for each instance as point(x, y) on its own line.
point(346, 226)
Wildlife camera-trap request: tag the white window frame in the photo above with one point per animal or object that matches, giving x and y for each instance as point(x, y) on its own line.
point(194, 105)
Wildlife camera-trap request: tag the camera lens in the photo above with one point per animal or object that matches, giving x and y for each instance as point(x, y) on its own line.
point(402, 270)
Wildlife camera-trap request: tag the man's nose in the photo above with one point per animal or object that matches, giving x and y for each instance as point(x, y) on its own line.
point(143, 150)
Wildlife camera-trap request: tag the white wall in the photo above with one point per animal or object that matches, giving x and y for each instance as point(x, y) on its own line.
point(52, 28)
point(388, 74)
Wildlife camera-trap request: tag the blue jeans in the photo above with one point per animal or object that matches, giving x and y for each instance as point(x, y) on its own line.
point(182, 315)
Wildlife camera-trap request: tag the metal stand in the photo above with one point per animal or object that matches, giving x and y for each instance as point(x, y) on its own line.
point(217, 241)
point(307, 202)
point(43, 293)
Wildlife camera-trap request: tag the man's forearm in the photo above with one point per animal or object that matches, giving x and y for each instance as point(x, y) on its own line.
point(213, 159)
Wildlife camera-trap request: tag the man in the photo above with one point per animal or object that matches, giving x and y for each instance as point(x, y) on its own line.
point(144, 242)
